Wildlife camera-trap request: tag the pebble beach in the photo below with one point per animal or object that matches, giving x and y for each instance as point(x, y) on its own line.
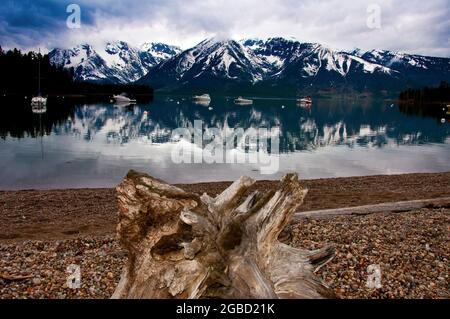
point(410, 248)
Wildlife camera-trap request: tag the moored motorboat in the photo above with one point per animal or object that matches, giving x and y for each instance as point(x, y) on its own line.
point(123, 99)
point(240, 100)
point(305, 102)
point(38, 101)
point(202, 98)
point(307, 99)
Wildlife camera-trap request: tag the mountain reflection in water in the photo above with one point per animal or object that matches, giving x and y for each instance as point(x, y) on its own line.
point(117, 138)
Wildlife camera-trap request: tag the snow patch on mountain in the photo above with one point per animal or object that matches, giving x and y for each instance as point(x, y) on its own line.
point(117, 62)
point(369, 67)
point(160, 51)
point(311, 57)
point(224, 59)
point(278, 61)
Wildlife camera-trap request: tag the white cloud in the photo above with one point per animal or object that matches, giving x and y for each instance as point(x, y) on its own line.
point(414, 26)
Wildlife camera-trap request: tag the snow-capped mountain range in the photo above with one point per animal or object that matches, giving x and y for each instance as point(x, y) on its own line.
point(287, 65)
point(117, 62)
point(252, 65)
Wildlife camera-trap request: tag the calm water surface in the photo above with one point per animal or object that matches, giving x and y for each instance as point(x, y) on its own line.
point(95, 145)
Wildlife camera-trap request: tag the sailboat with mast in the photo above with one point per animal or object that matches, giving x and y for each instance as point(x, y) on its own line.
point(39, 102)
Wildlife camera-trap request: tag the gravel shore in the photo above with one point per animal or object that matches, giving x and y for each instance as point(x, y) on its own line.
point(44, 232)
point(411, 249)
point(100, 260)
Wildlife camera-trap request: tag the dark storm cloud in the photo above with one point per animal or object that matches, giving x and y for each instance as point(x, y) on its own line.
point(25, 23)
point(415, 26)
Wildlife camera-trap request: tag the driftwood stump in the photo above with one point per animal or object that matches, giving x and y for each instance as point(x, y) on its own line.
point(182, 245)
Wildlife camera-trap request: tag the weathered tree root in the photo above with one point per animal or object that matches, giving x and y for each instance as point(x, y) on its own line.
point(181, 245)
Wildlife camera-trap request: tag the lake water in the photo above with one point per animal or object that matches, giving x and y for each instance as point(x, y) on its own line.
point(94, 145)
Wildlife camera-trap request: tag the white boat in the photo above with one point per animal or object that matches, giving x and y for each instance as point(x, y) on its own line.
point(306, 100)
point(39, 103)
point(240, 100)
point(202, 98)
point(123, 99)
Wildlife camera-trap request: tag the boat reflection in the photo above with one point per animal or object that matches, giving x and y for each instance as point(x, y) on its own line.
point(327, 124)
point(205, 103)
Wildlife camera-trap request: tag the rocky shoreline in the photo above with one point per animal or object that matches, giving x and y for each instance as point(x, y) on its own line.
point(411, 248)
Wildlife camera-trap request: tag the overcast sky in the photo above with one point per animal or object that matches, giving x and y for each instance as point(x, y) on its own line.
point(415, 26)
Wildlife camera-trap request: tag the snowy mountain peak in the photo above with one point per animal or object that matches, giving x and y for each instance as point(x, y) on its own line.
point(279, 60)
point(116, 62)
point(161, 49)
point(275, 61)
point(226, 59)
point(116, 46)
